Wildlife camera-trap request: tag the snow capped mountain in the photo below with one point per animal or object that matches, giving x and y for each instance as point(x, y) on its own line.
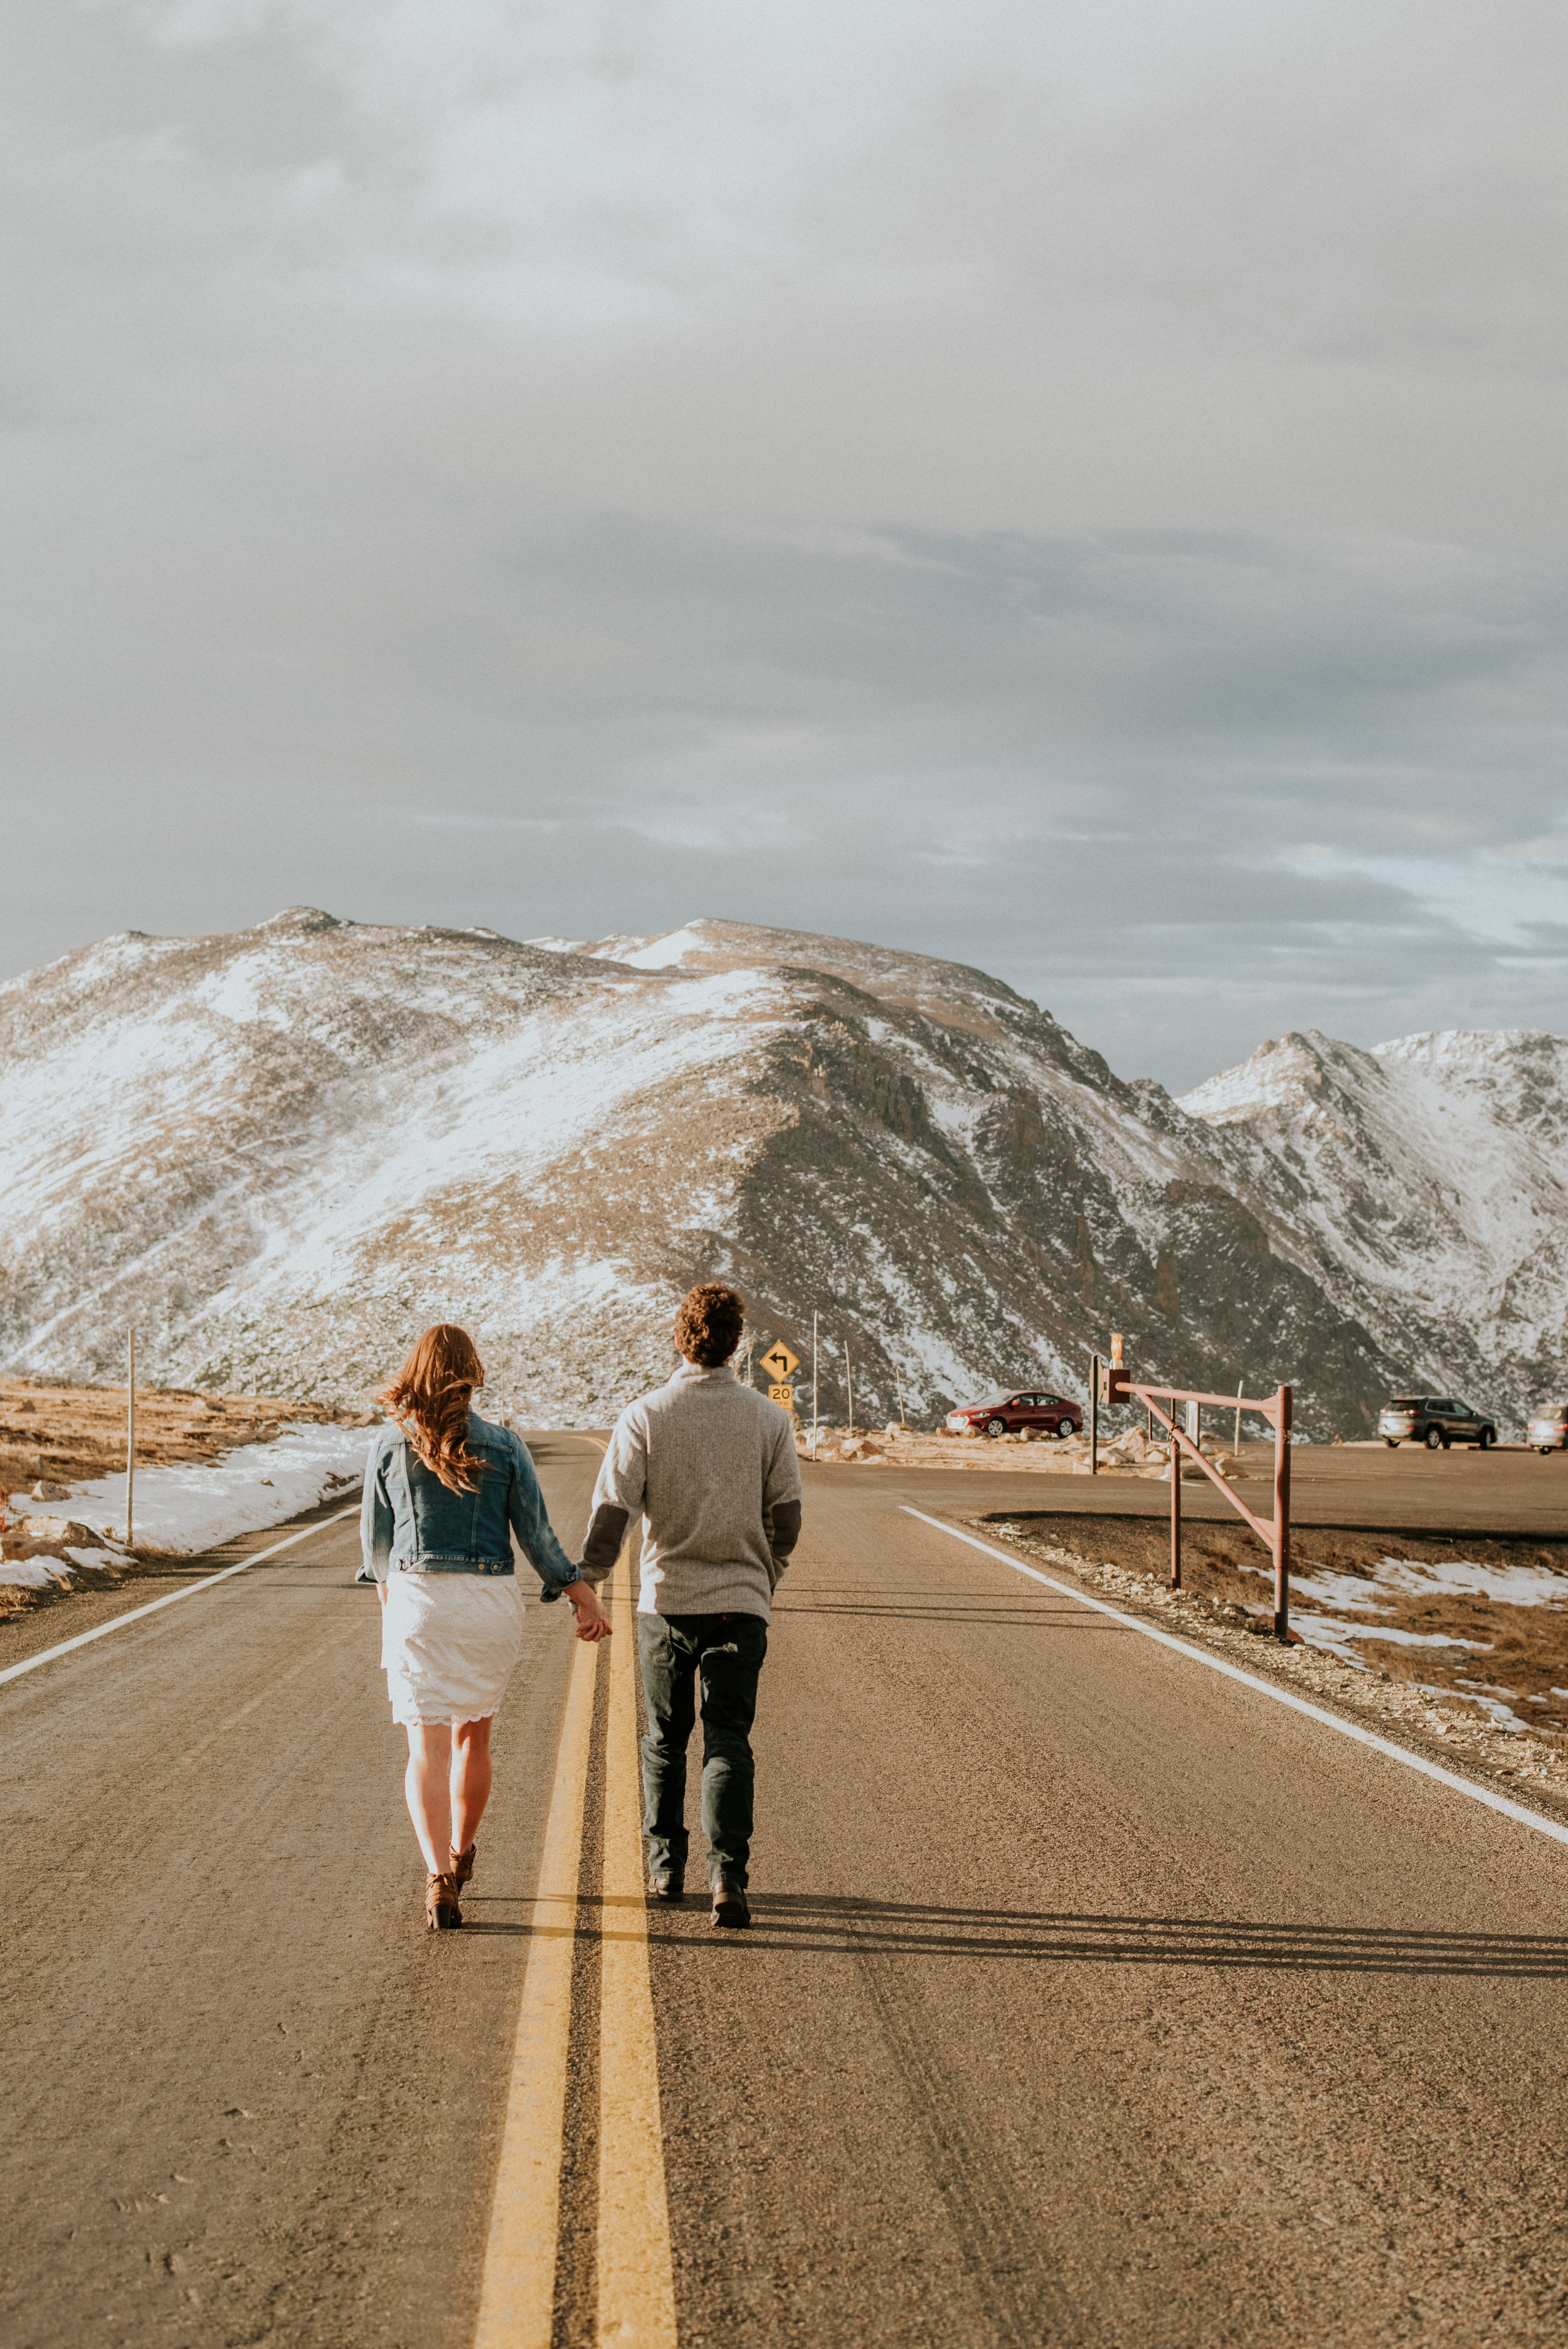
point(280, 1153)
point(1424, 1184)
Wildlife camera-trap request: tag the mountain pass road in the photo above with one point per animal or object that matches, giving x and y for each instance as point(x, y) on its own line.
point(1092, 1996)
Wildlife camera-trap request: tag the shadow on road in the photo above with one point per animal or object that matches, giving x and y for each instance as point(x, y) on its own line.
point(1062, 1937)
point(809, 1922)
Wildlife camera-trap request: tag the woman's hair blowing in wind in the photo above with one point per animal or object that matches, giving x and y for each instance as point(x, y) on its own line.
point(429, 1401)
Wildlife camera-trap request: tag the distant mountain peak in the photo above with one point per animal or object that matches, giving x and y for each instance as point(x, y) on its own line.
point(301, 918)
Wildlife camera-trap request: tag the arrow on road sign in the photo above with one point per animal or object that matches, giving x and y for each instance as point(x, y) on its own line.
point(780, 1361)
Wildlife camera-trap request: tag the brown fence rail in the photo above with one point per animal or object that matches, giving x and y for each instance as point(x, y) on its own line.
point(1274, 1535)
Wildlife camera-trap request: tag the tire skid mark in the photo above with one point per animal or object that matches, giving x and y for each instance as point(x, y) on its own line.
point(1024, 2300)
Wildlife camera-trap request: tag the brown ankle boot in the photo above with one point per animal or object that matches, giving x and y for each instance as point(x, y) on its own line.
point(463, 1864)
point(443, 1910)
point(730, 1905)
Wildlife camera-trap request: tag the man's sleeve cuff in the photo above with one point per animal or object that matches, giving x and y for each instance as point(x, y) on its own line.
point(602, 1542)
point(786, 1516)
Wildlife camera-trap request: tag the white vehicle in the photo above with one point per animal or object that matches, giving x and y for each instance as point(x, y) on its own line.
point(1547, 1429)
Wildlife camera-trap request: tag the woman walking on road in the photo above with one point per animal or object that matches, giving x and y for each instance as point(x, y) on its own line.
point(442, 1487)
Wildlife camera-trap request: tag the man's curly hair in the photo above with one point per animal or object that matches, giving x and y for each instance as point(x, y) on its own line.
point(709, 1323)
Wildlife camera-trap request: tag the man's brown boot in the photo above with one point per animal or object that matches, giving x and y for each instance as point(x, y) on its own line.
point(730, 1906)
point(663, 1887)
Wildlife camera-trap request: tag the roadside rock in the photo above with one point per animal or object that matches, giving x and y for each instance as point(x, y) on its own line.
point(28, 1533)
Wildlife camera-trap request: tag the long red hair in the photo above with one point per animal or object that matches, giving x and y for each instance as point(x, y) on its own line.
point(429, 1399)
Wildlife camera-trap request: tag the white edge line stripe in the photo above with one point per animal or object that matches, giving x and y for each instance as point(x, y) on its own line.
point(1250, 1679)
point(134, 1614)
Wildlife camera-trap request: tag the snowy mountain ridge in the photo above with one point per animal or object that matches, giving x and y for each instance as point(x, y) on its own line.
point(280, 1153)
point(1424, 1183)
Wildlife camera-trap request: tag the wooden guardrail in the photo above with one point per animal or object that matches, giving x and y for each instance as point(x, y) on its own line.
point(1119, 1386)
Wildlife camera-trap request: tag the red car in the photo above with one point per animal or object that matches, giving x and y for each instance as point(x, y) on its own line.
point(1012, 1410)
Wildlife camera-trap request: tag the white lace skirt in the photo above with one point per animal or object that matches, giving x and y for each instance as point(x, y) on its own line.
point(450, 1644)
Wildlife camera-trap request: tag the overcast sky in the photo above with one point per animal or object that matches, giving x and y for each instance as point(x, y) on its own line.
point(1078, 489)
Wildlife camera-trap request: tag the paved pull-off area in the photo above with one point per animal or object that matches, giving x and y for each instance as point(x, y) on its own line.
point(1093, 1997)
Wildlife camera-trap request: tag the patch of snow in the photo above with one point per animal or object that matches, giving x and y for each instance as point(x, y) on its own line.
point(1328, 1631)
point(660, 953)
point(1486, 1695)
point(194, 1506)
point(1345, 1592)
point(1503, 1715)
point(1515, 1586)
point(35, 1573)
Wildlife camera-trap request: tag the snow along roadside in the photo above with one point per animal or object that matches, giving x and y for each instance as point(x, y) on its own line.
point(196, 1506)
point(1515, 1811)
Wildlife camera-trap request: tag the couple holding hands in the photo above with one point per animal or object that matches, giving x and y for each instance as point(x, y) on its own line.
point(709, 1466)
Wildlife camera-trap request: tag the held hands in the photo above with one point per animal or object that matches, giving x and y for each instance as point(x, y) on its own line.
point(593, 1623)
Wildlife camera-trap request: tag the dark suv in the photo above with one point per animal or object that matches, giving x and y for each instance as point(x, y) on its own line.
point(1012, 1410)
point(1436, 1421)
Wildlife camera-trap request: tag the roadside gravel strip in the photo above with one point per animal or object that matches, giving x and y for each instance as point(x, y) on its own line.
point(186, 1590)
point(1190, 1647)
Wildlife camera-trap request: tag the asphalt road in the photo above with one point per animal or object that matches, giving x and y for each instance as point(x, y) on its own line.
point(1409, 1490)
point(244, 2096)
point(1092, 1997)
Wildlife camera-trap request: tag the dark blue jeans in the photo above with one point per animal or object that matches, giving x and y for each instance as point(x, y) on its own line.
point(726, 1651)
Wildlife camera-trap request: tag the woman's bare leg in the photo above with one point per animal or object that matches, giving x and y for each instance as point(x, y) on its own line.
point(470, 1781)
point(426, 1784)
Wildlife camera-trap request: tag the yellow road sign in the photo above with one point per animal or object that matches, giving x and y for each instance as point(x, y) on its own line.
point(783, 1396)
point(780, 1361)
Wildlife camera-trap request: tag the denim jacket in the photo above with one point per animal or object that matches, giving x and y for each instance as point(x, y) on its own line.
point(411, 1522)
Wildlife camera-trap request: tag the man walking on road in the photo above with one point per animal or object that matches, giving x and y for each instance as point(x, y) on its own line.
point(710, 1465)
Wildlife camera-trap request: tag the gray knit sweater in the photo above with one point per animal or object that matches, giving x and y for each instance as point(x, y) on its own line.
point(711, 1466)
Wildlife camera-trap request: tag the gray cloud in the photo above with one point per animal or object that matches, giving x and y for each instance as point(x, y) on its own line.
point(1076, 492)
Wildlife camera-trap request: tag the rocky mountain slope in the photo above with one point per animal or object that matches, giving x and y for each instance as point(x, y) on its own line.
point(283, 1152)
point(1424, 1185)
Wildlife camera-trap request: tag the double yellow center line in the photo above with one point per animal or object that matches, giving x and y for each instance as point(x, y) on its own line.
point(632, 2269)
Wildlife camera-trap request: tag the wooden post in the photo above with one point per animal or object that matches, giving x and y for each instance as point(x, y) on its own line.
point(1281, 1514)
point(899, 1376)
point(1175, 1509)
point(1236, 1446)
point(1094, 1415)
point(130, 1448)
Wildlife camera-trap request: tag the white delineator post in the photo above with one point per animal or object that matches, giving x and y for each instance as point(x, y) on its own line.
point(850, 1388)
point(813, 1386)
point(130, 1448)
